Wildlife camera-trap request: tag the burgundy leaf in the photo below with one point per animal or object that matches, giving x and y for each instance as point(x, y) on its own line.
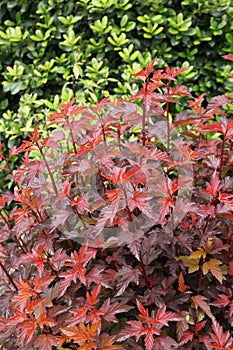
point(108, 311)
point(46, 341)
point(165, 343)
point(217, 101)
point(125, 276)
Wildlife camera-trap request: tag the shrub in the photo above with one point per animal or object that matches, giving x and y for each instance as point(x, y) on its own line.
point(119, 230)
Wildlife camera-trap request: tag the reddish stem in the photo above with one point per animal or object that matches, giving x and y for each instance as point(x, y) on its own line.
point(144, 123)
point(119, 138)
point(144, 270)
point(167, 119)
point(200, 279)
point(5, 220)
point(221, 158)
point(71, 134)
point(8, 276)
point(48, 168)
point(104, 136)
point(10, 171)
point(21, 244)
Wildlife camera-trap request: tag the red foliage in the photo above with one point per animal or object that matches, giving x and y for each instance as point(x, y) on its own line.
point(119, 234)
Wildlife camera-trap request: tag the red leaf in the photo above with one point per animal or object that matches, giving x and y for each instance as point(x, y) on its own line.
point(200, 325)
point(6, 198)
point(24, 293)
point(125, 276)
point(13, 151)
point(147, 71)
point(185, 118)
point(79, 315)
point(143, 312)
point(163, 316)
point(57, 118)
point(35, 134)
point(44, 320)
point(133, 241)
point(121, 175)
point(74, 333)
point(41, 283)
point(92, 297)
point(46, 341)
point(226, 198)
point(179, 90)
point(59, 217)
point(214, 186)
point(228, 57)
point(112, 195)
point(64, 191)
point(69, 277)
point(107, 216)
point(140, 200)
point(27, 330)
point(1, 153)
point(82, 257)
point(181, 284)
point(218, 339)
point(222, 300)
point(58, 259)
point(96, 276)
point(149, 339)
point(218, 101)
point(79, 333)
point(108, 311)
point(20, 214)
point(66, 109)
point(137, 329)
point(165, 343)
point(197, 101)
point(186, 337)
point(166, 204)
point(36, 258)
point(230, 267)
point(26, 146)
point(173, 72)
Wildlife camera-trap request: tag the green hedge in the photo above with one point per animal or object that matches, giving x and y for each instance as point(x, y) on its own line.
point(53, 49)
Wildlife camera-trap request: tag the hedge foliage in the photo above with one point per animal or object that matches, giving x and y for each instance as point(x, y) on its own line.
point(51, 50)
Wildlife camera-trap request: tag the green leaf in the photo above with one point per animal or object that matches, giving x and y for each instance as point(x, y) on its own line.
point(124, 20)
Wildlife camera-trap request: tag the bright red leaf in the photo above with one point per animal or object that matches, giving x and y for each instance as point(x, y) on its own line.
point(218, 339)
point(137, 329)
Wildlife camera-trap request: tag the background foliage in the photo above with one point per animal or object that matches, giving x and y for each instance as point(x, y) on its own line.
point(54, 49)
